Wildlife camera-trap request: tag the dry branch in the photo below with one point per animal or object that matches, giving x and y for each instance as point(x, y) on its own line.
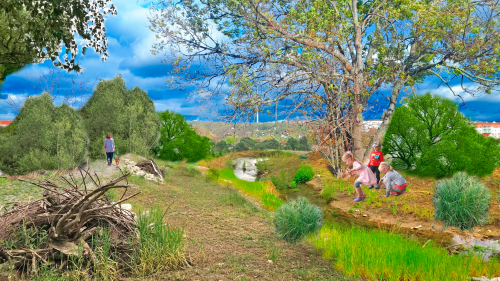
point(72, 212)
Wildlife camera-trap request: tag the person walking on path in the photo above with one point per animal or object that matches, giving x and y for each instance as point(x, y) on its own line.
point(376, 157)
point(394, 182)
point(109, 148)
point(366, 175)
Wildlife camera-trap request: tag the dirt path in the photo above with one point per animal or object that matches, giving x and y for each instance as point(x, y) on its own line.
point(228, 238)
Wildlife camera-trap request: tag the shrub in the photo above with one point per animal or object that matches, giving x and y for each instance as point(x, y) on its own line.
point(304, 174)
point(462, 201)
point(293, 184)
point(297, 218)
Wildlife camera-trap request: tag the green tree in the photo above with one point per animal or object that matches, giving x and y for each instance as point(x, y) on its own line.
point(44, 137)
point(241, 146)
point(179, 140)
point(329, 56)
point(293, 143)
point(221, 146)
point(230, 140)
point(128, 115)
point(31, 31)
point(430, 134)
point(249, 142)
point(304, 144)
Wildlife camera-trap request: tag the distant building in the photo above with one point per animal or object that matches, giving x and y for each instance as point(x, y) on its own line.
point(371, 124)
point(5, 123)
point(488, 129)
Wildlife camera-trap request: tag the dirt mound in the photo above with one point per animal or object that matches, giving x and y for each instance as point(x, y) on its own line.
point(315, 156)
point(150, 166)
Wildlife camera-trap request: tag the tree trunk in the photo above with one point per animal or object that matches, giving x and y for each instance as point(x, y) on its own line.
point(386, 118)
point(357, 129)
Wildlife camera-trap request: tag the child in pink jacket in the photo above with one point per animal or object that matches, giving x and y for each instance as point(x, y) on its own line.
point(366, 175)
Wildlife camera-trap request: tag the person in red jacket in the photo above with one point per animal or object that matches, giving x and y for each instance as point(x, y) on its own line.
point(376, 157)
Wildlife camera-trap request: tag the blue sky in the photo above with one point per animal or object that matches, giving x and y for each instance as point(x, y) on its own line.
point(129, 47)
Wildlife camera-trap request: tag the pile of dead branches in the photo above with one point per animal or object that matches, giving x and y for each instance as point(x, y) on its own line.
point(150, 166)
point(72, 211)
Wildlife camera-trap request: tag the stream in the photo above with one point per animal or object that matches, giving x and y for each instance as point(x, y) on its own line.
point(332, 214)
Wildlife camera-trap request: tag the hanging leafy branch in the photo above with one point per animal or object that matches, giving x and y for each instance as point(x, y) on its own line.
point(32, 31)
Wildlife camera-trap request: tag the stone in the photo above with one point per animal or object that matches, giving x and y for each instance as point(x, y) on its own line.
point(127, 207)
point(141, 173)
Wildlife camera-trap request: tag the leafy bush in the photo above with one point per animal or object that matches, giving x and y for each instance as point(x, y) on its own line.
point(297, 218)
point(462, 201)
point(293, 184)
point(304, 174)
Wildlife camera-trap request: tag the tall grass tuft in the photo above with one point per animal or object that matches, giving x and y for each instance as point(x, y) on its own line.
point(160, 247)
point(462, 201)
point(304, 174)
point(374, 254)
point(297, 218)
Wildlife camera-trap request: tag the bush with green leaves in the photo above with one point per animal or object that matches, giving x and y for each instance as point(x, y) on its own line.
point(297, 218)
point(304, 174)
point(44, 137)
point(462, 201)
point(428, 133)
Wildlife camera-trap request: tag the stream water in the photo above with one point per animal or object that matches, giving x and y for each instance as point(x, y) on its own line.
point(332, 214)
point(245, 168)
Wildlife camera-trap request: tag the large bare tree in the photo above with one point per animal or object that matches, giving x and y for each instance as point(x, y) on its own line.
point(327, 54)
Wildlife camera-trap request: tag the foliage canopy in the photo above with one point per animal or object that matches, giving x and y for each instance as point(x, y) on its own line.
point(31, 31)
point(430, 134)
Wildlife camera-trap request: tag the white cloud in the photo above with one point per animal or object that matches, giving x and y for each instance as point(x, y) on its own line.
point(457, 89)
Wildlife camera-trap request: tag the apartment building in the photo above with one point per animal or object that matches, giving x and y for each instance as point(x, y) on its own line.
point(5, 123)
point(489, 129)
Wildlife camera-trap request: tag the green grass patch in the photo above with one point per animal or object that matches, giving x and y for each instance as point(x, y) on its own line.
point(382, 255)
point(297, 218)
point(235, 199)
point(256, 190)
point(329, 194)
point(160, 246)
